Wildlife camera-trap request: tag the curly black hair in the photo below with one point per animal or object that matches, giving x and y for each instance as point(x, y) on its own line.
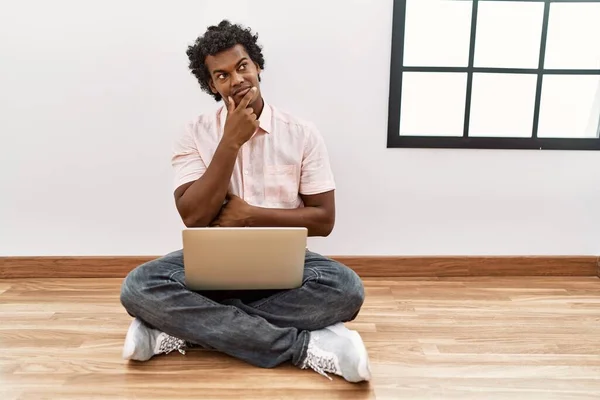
point(216, 39)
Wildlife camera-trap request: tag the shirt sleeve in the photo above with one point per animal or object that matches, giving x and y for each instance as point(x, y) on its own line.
point(316, 175)
point(187, 164)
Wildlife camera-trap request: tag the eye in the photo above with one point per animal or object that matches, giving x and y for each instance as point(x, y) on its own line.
point(221, 77)
point(242, 67)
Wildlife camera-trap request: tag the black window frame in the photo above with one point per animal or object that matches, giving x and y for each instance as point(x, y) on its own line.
point(395, 140)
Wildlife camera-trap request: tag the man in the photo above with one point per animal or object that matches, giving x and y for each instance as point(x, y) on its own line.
point(249, 164)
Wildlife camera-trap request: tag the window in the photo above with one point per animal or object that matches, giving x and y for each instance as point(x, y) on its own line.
point(495, 74)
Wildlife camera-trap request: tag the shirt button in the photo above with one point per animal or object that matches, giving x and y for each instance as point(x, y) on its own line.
point(245, 172)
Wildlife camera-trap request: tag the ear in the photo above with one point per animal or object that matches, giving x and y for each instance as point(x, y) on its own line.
point(258, 71)
point(211, 84)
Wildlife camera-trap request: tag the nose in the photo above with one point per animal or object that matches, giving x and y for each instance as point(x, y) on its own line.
point(236, 79)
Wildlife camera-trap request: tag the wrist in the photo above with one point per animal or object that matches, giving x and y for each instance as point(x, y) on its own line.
point(251, 216)
point(229, 144)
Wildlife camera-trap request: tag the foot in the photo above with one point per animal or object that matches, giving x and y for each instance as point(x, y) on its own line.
point(142, 342)
point(341, 330)
point(339, 351)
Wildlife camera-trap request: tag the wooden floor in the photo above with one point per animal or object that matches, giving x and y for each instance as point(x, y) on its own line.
point(479, 338)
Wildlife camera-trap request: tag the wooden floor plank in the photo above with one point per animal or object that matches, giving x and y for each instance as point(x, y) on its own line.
point(365, 266)
point(428, 338)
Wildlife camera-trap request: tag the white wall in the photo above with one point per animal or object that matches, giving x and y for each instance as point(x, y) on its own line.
point(92, 94)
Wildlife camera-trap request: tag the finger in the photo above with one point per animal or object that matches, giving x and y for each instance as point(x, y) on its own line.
point(230, 104)
point(247, 98)
point(249, 110)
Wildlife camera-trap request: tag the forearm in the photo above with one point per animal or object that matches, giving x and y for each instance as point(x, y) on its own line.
point(202, 201)
point(317, 220)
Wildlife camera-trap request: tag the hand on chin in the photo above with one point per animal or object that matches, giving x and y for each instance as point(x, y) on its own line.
point(237, 98)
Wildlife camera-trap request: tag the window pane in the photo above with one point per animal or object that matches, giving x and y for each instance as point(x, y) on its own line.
point(502, 105)
point(508, 34)
point(433, 103)
point(573, 36)
point(437, 33)
point(570, 106)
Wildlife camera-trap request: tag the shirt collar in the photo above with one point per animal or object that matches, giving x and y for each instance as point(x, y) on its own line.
point(265, 119)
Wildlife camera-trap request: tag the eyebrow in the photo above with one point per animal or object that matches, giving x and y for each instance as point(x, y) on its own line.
point(236, 65)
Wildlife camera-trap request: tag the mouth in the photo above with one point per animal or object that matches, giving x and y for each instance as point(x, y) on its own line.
point(242, 92)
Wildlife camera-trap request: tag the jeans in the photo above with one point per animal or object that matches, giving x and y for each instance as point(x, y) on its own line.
point(263, 328)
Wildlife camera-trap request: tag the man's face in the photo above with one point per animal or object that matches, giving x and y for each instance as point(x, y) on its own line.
point(233, 73)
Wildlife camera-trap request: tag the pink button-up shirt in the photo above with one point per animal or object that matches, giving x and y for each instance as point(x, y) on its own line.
point(286, 157)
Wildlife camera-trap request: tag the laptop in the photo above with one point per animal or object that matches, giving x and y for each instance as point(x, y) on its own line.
point(244, 258)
